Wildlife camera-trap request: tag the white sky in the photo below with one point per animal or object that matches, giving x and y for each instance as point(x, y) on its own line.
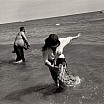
point(21, 10)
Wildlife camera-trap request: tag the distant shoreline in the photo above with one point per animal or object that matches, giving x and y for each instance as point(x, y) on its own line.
point(50, 17)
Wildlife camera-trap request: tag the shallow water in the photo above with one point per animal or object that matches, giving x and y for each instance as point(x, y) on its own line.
point(30, 82)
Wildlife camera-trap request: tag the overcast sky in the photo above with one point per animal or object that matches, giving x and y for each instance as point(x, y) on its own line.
point(21, 10)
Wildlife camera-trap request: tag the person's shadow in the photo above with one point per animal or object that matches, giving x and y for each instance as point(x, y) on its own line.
point(45, 90)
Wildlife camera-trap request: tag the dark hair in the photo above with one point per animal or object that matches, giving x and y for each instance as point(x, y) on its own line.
point(46, 45)
point(22, 28)
point(51, 41)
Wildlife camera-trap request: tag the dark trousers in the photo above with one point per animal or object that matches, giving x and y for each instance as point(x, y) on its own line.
point(53, 73)
point(19, 52)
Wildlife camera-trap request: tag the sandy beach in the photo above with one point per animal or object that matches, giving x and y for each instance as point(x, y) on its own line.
point(30, 82)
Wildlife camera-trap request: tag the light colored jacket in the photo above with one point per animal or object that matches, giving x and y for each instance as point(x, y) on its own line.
point(49, 55)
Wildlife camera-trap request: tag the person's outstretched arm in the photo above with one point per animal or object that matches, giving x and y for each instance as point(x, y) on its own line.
point(75, 37)
point(65, 41)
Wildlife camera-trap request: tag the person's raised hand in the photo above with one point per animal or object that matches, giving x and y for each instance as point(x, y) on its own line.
point(79, 34)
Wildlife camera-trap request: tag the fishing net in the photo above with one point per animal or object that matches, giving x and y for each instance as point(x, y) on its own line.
point(66, 80)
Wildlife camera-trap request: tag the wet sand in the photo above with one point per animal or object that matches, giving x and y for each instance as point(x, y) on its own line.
point(30, 82)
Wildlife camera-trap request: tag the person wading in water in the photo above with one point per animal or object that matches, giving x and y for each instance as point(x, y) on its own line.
point(20, 44)
point(53, 56)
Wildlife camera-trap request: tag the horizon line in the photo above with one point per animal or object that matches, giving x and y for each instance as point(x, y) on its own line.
point(49, 17)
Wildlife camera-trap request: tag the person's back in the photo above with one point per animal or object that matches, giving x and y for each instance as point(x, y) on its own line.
point(19, 39)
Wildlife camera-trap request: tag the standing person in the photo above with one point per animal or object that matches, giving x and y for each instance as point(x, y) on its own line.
point(20, 43)
point(53, 56)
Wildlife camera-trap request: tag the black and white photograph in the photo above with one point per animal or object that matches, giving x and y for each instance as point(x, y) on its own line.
point(51, 51)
